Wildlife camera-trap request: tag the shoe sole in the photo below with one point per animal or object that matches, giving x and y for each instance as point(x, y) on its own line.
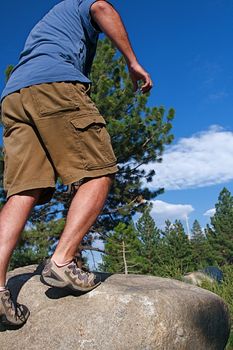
point(51, 282)
point(6, 322)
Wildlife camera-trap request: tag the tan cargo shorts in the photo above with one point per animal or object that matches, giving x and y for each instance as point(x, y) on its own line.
point(53, 130)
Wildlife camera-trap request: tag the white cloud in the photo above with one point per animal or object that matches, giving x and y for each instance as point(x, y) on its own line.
point(210, 212)
point(162, 211)
point(203, 159)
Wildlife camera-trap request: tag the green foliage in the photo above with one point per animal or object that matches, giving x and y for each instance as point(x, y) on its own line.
point(149, 236)
point(219, 233)
point(166, 253)
point(230, 342)
point(8, 71)
point(225, 291)
point(200, 247)
point(176, 251)
point(37, 243)
point(122, 250)
point(169, 252)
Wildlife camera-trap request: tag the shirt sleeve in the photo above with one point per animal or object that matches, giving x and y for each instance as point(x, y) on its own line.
point(84, 10)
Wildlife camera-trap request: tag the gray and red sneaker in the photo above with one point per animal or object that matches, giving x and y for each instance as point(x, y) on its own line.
point(12, 314)
point(69, 276)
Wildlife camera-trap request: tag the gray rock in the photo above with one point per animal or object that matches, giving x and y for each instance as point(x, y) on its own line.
point(197, 278)
point(124, 313)
point(210, 274)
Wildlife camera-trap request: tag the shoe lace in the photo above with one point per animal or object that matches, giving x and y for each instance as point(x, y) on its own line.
point(76, 269)
point(19, 312)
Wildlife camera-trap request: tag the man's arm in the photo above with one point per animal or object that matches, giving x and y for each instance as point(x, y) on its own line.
point(109, 21)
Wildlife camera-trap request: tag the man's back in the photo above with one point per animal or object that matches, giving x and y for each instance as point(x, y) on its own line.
point(61, 47)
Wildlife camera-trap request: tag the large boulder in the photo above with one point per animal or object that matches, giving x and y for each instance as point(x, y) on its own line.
point(130, 312)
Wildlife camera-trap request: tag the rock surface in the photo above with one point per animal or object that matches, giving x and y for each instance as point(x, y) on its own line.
point(124, 313)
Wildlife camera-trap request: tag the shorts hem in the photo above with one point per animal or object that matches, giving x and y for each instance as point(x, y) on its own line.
point(31, 186)
point(68, 180)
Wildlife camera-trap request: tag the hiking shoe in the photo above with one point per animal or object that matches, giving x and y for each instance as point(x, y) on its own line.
point(10, 313)
point(69, 276)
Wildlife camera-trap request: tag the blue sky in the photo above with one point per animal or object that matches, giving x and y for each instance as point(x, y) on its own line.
point(187, 48)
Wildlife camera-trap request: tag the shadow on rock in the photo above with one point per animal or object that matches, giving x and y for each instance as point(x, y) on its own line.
point(57, 293)
point(216, 318)
point(15, 283)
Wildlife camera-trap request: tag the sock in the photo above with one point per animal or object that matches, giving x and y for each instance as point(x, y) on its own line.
point(61, 265)
point(2, 288)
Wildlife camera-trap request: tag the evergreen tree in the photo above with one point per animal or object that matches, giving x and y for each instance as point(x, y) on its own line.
point(138, 133)
point(219, 233)
point(200, 249)
point(176, 254)
point(122, 250)
point(37, 243)
point(150, 237)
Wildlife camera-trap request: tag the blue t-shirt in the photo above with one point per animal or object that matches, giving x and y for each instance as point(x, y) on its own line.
point(61, 47)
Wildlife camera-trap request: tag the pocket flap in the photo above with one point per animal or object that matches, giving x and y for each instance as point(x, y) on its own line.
point(83, 122)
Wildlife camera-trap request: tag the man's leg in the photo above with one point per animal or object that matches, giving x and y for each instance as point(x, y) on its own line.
point(13, 217)
point(62, 271)
point(83, 212)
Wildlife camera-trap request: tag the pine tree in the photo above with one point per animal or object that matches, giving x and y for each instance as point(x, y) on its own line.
point(122, 250)
point(150, 236)
point(219, 233)
point(200, 248)
point(176, 254)
point(37, 243)
point(138, 133)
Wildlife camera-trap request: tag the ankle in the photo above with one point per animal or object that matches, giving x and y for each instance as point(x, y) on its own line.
point(61, 262)
point(2, 288)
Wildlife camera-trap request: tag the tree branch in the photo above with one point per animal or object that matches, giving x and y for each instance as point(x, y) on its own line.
point(87, 247)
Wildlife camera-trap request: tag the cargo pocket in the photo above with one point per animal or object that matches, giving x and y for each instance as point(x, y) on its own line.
point(94, 141)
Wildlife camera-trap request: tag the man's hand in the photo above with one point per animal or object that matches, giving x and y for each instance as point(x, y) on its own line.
point(137, 73)
point(109, 21)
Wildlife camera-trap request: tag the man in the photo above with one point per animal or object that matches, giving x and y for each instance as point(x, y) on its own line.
point(51, 129)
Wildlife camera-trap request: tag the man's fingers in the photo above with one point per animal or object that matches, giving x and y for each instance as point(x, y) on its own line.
point(139, 74)
point(148, 84)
